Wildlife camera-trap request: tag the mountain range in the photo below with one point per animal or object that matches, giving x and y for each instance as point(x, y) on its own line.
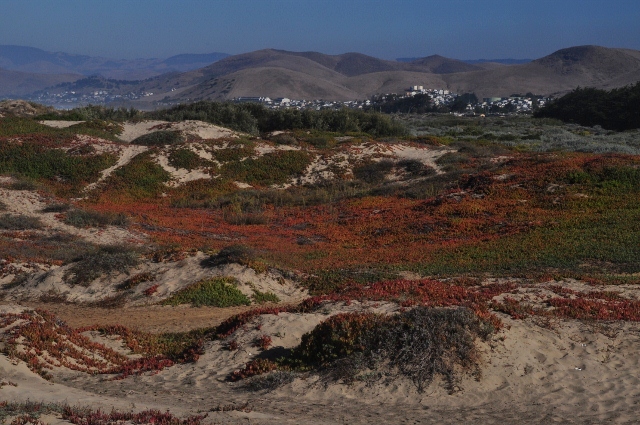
point(313, 75)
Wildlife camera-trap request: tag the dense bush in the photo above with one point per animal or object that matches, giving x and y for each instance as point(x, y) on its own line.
point(373, 172)
point(159, 138)
point(240, 254)
point(95, 112)
point(255, 118)
point(418, 344)
point(56, 208)
point(217, 292)
point(617, 109)
point(107, 260)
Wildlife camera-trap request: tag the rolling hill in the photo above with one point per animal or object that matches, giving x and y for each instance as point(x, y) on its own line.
point(313, 75)
point(352, 75)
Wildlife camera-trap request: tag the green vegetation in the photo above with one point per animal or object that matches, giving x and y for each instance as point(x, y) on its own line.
point(94, 112)
point(617, 109)
point(264, 297)
point(37, 161)
point(140, 178)
point(17, 126)
point(187, 159)
point(254, 118)
point(217, 292)
point(268, 169)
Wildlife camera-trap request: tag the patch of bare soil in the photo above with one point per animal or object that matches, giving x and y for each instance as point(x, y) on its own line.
point(154, 319)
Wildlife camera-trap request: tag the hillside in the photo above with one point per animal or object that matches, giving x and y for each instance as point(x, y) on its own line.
point(313, 75)
point(353, 75)
point(559, 72)
point(16, 83)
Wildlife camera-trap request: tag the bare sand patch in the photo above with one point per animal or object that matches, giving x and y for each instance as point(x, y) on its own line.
point(60, 123)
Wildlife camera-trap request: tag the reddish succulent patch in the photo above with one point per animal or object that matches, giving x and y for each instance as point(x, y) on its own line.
point(43, 342)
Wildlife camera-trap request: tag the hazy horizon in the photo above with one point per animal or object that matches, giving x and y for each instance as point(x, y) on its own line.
point(461, 29)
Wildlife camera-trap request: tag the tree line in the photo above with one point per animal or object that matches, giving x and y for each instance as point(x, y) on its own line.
point(617, 109)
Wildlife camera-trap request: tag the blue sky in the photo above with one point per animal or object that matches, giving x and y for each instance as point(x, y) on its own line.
point(463, 29)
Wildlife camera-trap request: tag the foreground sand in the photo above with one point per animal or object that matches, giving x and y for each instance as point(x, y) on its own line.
point(570, 373)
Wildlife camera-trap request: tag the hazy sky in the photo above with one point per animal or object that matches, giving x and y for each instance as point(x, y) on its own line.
point(463, 29)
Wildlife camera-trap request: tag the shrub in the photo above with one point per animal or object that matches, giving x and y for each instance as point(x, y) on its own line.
point(107, 260)
point(159, 138)
point(3, 206)
point(417, 344)
point(240, 254)
point(416, 168)
point(217, 292)
point(19, 222)
point(285, 139)
point(56, 208)
point(373, 172)
point(82, 218)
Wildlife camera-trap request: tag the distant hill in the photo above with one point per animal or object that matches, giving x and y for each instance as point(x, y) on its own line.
point(33, 60)
point(16, 84)
point(313, 75)
point(559, 72)
point(507, 61)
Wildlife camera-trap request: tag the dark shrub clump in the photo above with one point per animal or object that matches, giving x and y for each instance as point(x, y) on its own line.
point(107, 260)
point(159, 138)
point(240, 254)
point(418, 344)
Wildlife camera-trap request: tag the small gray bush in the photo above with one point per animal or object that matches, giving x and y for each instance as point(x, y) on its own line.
point(107, 260)
point(19, 222)
point(81, 218)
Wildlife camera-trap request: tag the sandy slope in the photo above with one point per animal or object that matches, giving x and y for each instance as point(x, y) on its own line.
point(573, 373)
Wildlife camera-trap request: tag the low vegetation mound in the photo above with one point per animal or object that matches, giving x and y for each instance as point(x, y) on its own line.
point(217, 292)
